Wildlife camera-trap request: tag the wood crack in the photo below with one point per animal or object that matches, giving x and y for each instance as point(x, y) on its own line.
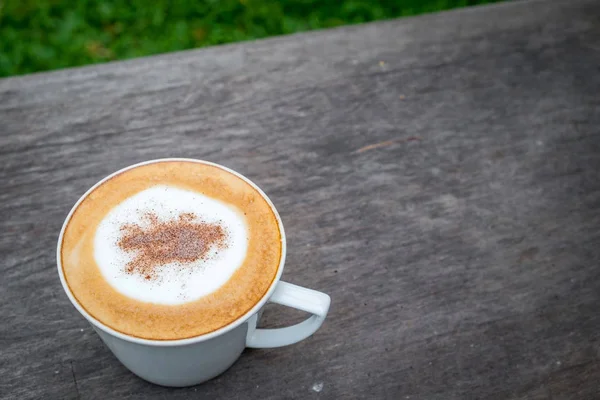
point(75, 381)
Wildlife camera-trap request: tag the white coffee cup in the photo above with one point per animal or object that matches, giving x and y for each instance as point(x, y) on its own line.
point(191, 361)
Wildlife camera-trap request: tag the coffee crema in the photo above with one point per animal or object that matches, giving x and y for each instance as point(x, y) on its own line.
point(171, 250)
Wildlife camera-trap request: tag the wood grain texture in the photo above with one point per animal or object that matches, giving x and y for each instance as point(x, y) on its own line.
point(437, 176)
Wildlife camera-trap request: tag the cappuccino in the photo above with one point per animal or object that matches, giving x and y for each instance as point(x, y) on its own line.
point(171, 250)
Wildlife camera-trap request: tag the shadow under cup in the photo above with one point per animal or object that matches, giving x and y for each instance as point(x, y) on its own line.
point(186, 362)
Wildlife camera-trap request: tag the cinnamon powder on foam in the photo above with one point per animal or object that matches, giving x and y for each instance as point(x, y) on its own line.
point(183, 240)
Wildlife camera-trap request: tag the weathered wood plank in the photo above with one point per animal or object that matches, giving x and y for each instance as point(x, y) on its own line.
point(438, 176)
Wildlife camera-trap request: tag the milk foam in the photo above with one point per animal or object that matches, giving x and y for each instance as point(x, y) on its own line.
point(175, 283)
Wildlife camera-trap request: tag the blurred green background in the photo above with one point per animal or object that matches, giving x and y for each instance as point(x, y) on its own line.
point(40, 35)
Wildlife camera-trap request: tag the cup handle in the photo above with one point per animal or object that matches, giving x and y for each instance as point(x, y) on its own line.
point(294, 296)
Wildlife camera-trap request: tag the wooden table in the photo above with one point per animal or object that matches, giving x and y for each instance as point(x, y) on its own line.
point(438, 176)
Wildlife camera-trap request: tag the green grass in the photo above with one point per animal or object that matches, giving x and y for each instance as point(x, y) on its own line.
point(40, 35)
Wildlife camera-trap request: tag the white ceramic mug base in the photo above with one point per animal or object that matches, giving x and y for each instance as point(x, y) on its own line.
point(195, 363)
point(195, 360)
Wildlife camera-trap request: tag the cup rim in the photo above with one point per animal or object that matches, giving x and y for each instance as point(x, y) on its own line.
point(172, 342)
